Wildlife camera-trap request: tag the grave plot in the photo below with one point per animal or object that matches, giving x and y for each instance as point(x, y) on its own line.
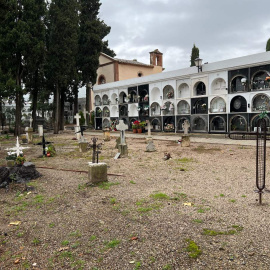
point(196, 210)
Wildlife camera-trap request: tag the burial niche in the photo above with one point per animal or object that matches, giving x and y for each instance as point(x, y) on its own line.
point(155, 109)
point(238, 123)
point(217, 124)
point(260, 103)
point(200, 107)
point(259, 81)
point(183, 90)
point(106, 123)
point(183, 107)
point(254, 123)
point(155, 94)
point(200, 89)
point(180, 123)
point(218, 85)
point(123, 110)
point(168, 92)
point(156, 124)
point(98, 112)
point(106, 112)
point(122, 97)
point(238, 104)
point(199, 124)
point(238, 84)
point(97, 100)
point(114, 98)
point(217, 104)
point(105, 100)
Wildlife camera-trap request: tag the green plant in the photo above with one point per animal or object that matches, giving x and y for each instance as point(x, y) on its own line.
point(82, 119)
point(76, 234)
point(137, 265)
point(142, 124)
point(36, 241)
point(132, 182)
point(112, 244)
point(51, 150)
point(160, 196)
point(193, 249)
point(65, 243)
point(20, 159)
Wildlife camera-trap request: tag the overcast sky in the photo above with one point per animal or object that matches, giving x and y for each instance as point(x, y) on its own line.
point(221, 29)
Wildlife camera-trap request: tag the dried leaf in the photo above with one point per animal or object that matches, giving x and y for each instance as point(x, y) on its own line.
point(187, 204)
point(63, 248)
point(134, 238)
point(17, 261)
point(16, 223)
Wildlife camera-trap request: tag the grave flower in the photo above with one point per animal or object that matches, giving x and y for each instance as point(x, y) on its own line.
point(171, 107)
point(136, 124)
point(20, 159)
point(267, 79)
point(146, 98)
point(163, 107)
point(169, 94)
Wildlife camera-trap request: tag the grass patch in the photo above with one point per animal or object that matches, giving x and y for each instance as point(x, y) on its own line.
point(221, 195)
point(185, 160)
point(193, 249)
point(209, 232)
point(201, 149)
point(112, 244)
point(76, 234)
point(144, 209)
point(106, 185)
point(160, 196)
point(197, 221)
point(36, 241)
point(233, 200)
point(113, 200)
point(92, 238)
point(132, 182)
point(65, 243)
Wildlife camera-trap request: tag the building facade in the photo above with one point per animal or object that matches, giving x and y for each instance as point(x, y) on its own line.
point(225, 96)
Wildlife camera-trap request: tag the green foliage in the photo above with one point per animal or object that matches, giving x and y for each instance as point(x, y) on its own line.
point(51, 150)
point(268, 45)
point(160, 196)
point(195, 53)
point(20, 159)
point(82, 119)
point(193, 249)
point(112, 244)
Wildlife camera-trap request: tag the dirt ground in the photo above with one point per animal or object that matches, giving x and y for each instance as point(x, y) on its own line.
point(197, 210)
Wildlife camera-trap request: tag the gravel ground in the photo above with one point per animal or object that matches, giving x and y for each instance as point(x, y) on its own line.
point(197, 210)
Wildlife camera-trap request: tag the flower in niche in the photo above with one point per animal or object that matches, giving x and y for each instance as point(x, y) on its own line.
point(170, 94)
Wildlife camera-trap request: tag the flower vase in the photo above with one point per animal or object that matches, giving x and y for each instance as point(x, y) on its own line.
point(134, 130)
point(139, 130)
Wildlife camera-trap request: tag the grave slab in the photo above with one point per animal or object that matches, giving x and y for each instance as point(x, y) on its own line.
point(97, 172)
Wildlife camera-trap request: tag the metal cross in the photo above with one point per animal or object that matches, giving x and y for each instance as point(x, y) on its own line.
point(43, 143)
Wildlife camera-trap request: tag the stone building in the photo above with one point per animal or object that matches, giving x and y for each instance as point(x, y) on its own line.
point(221, 97)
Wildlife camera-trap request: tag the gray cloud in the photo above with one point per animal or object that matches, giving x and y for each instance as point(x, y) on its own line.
point(221, 29)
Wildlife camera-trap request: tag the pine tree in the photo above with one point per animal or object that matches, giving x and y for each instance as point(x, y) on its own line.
point(195, 53)
point(62, 51)
point(268, 45)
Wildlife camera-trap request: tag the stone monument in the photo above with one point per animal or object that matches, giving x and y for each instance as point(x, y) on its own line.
point(77, 127)
point(29, 132)
point(149, 127)
point(107, 135)
point(40, 130)
point(185, 137)
point(122, 147)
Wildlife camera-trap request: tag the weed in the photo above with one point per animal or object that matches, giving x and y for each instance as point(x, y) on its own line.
point(38, 199)
point(137, 265)
point(36, 241)
point(167, 267)
point(229, 232)
point(185, 160)
point(66, 254)
point(144, 209)
point(92, 238)
point(112, 200)
point(140, 202)
point(132, 182)
point(51, 225)
point(233, 201)
point(201, 210)
point(20, 234)
point(221, 195)
point(193, 249)
point(112, 244)
point(65, 243)
point(160, 196)
point(197, 221)
point(107, 185)
point(75, 245)
point(79, 264)
point(76, 234)
point(152, 259)
point(244, 196)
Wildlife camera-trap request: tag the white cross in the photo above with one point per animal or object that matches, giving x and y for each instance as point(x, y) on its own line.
point(18, 148)
point(84, 114)
point(149, 127)
point(31, 120)
point(122, 127)
point(186, 126)
point(77, 117)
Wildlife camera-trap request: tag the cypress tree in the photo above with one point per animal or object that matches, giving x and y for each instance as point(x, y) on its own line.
point(195, 53)
point(268, 45)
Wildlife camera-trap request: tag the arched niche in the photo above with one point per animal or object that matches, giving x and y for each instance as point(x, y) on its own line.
point(183, 107)
point(101, 79)
point(254, 122)
point(98, 112)
point(258, 80)
point(133, 97)
point(123, 110)
point(199, 89)
point(237, 84)
point(199, 124)
point(260, 102)
point(218, 85)
point(200, 107)
point(238, 123)
point(183, 90)
point(217, 104)
point(114, 111)
point(114, 98)
point(106, 112)
point(168, 92)
point(122, 97)
point(155, 109)
point(168, 108)
point(106, 123)
point(180, 123)
point(105, 100)
point(143, 95)
point(156, 123)
point(155, 94)
point(97, 100)
point(168, 124)
point(238, 104)
point(133, 110)
point(218, 124)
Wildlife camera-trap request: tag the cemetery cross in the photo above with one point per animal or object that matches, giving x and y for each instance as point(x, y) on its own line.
point(186, 126)
point(77, 117)
point(122, 127)
point(43, 143)
point(149, 127)
point(260, 136)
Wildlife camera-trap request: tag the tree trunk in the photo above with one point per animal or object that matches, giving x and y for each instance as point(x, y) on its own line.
point(76, 92)
point(62, 111)
point(34, 107)
point(56, 109)
point(88, 101)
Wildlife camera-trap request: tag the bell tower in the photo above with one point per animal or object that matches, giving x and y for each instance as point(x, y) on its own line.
point(156, 58)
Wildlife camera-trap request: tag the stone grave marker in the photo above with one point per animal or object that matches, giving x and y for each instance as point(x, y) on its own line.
point(77, 127)
point(150, 147)
point(82, 143)
point(40, 130)
point(85, 112)
point(185, 137)
point(149, 127)
point(122, 147)
point(29, 131)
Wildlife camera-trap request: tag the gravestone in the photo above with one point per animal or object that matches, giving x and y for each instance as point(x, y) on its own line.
point(82, 143)
point(107, 135)
point(117, 141)
point(185, 137)
point(150, 147)
point(122, 147)
point(85, 112)
point(149, 127)
point(40, 130)
point(97, 172)
point(77, 127)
